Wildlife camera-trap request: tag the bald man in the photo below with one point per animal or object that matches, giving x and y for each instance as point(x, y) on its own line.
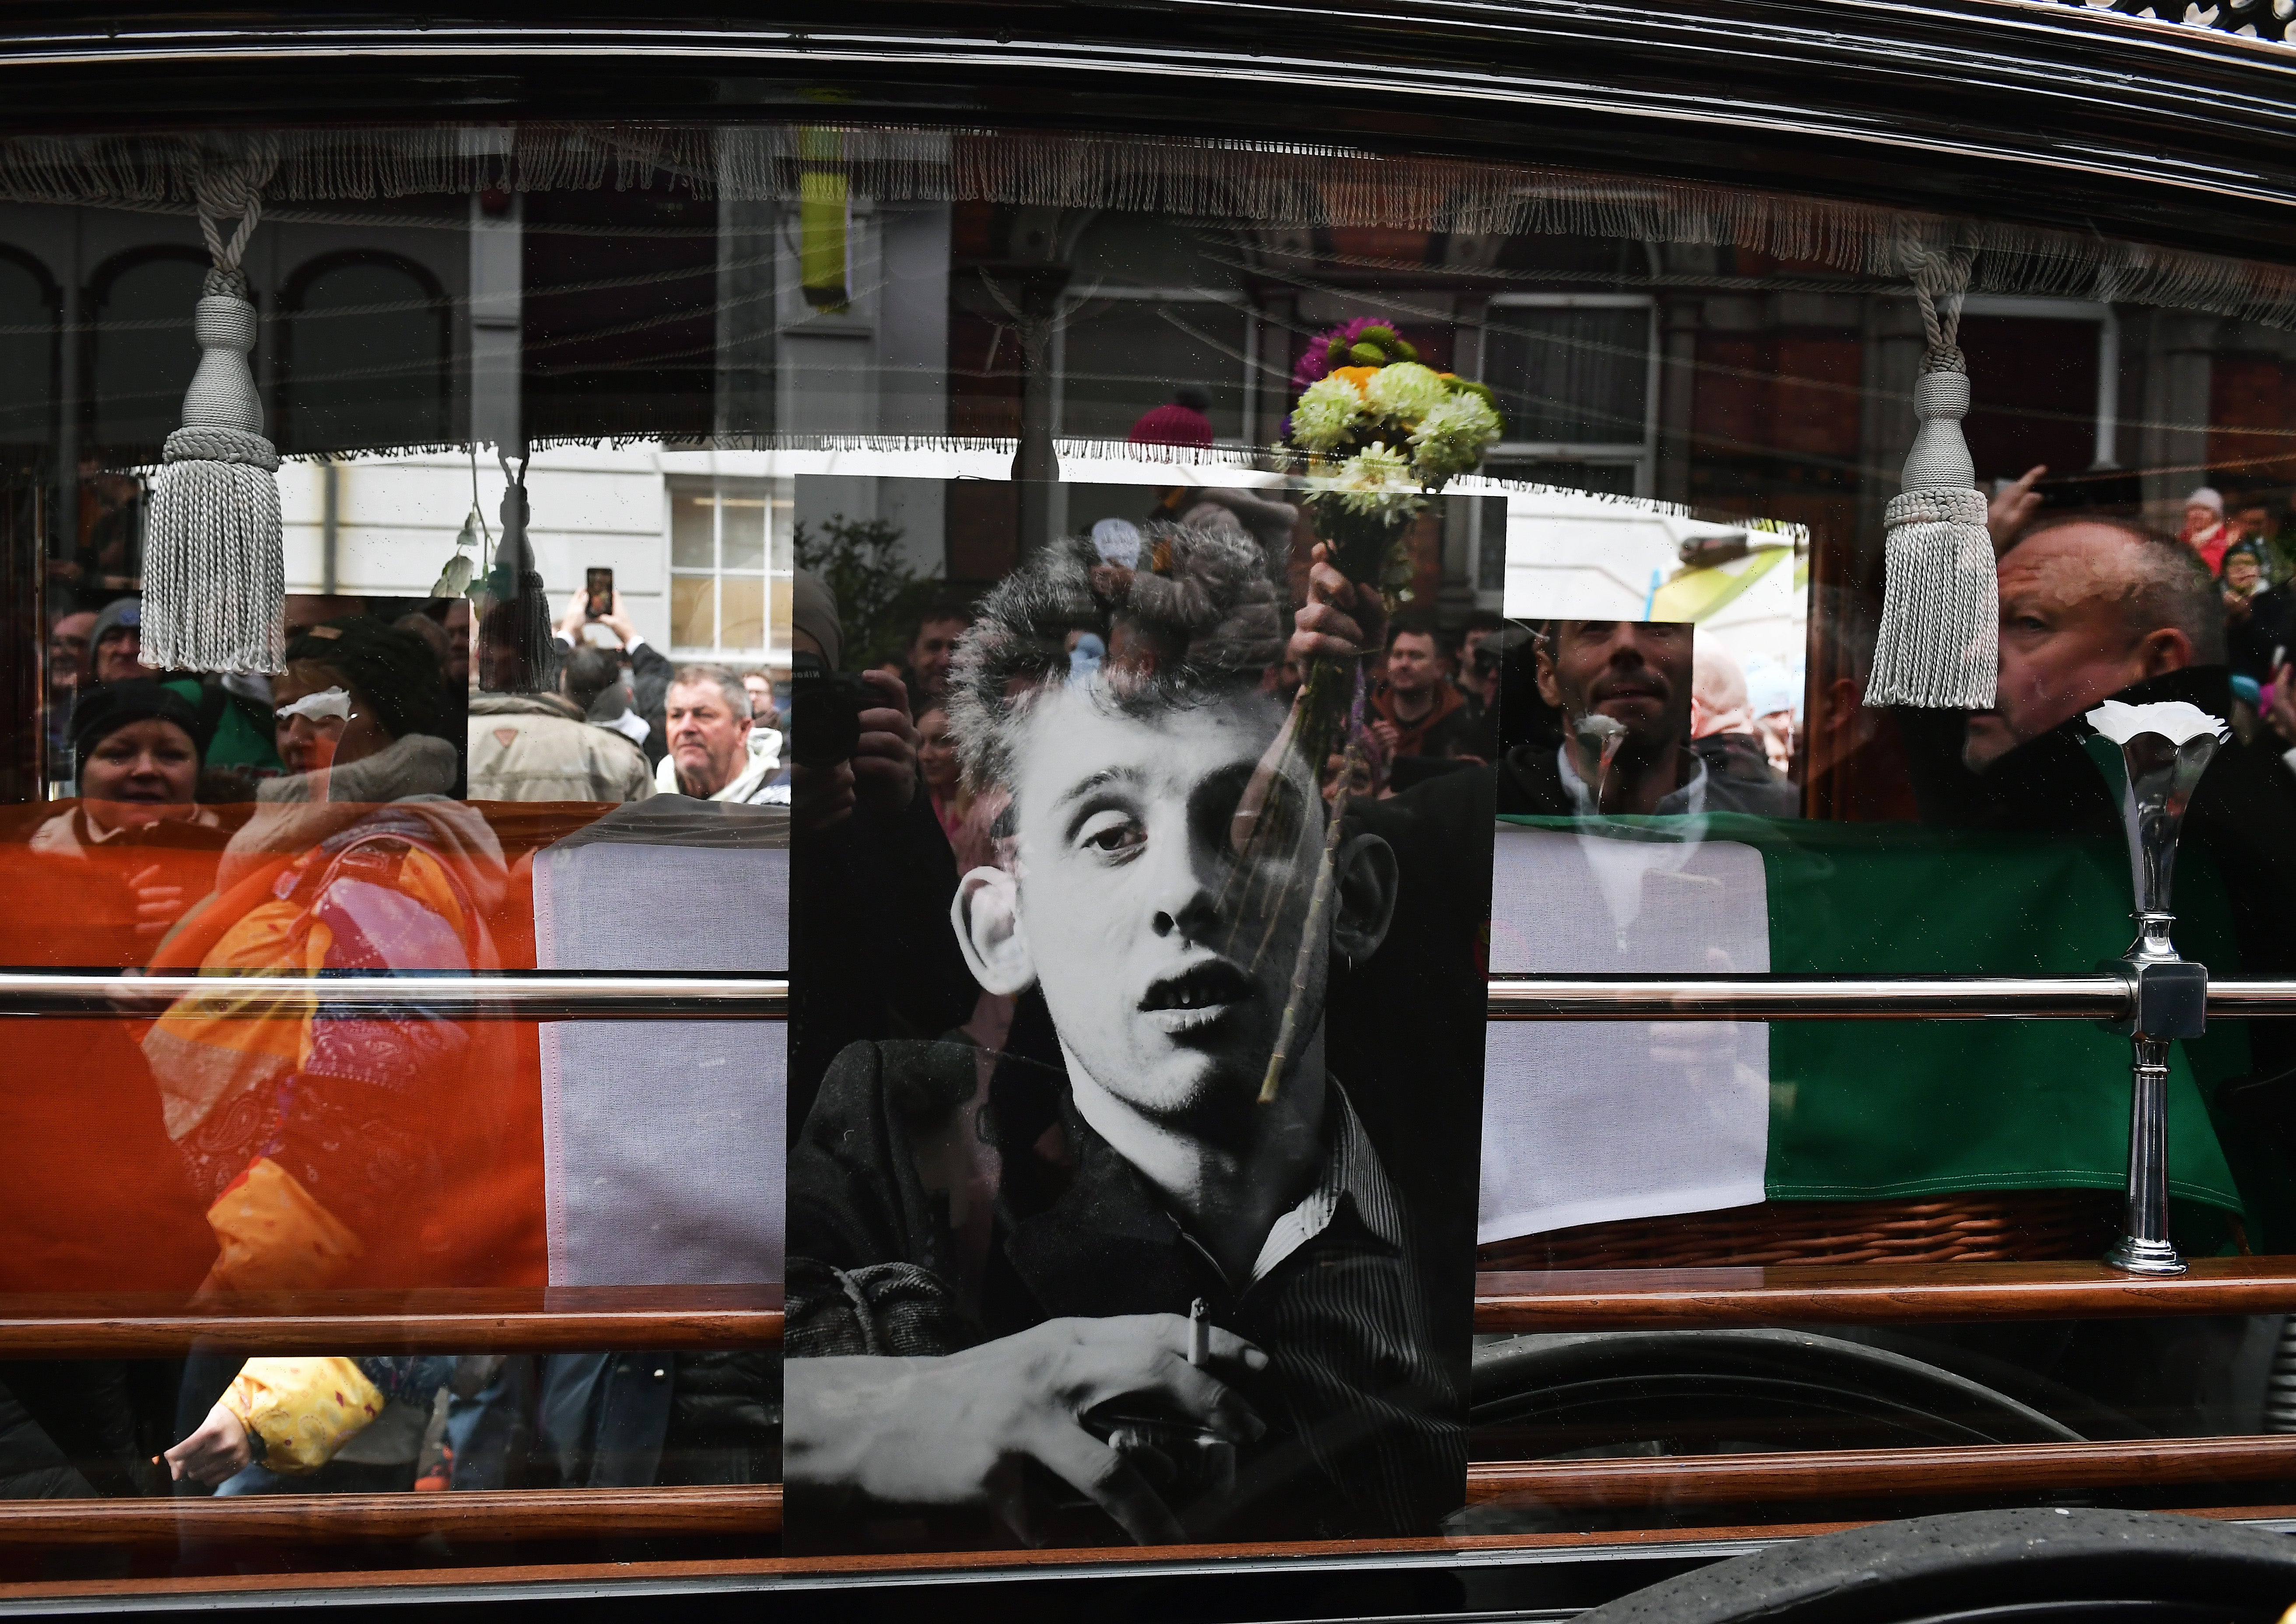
point(2090, 608)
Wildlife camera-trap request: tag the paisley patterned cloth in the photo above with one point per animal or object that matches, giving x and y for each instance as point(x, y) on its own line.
point(330, 1148)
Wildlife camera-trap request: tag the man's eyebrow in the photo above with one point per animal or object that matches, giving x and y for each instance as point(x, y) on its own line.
point(1086, 785)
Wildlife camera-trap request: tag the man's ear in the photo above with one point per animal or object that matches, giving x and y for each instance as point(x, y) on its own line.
point(1843, 704)
point(1364, 884)
point(2164, 650)
point(987, 914)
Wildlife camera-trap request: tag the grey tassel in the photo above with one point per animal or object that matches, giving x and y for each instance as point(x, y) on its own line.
point(214, 580)
point(1938, 646)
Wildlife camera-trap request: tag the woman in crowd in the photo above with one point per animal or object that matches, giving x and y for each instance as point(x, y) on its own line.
point(137, 846)
point(2256, 613)
point(964, 817)
point(936, 765)
point(136, 750)
point(94, 1197)
point(302, 733)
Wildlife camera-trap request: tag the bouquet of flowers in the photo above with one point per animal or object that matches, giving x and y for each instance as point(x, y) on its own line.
point(1382, 435)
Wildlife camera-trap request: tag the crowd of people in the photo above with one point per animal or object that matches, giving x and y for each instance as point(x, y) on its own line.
point(330, 818)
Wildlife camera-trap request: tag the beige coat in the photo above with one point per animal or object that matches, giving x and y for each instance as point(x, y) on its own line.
point(536, 747)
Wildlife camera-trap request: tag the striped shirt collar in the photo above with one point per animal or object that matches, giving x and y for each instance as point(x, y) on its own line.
point(1352, 1172)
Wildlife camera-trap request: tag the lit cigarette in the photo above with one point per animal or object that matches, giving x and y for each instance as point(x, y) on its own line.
point(1199, 1334)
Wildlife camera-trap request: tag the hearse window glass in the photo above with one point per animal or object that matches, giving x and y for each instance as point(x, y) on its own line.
point(1149, 309)
point(141, 354)
point(1574, 373)
point(1136, 842)
point(367, 355)
point(28, 356)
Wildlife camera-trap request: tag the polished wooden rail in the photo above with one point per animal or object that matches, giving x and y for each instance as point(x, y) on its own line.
point(751, 1510)
point(575, 1318)
point(1640, 1482)
point(472, 1581)
point(483, 1319)
point(1648, 1482)
point(1894, 1293)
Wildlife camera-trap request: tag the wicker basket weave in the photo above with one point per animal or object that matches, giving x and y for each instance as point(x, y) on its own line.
point(1981, 1227)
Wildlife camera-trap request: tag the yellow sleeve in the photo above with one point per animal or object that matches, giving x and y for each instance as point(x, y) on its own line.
point(271, 1235)
point(304, 1409)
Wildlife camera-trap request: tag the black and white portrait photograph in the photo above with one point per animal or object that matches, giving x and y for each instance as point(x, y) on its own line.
point(1184, 1252)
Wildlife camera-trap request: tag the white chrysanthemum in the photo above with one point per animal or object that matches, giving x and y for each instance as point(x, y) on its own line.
point(1374, 477)
point(1375, 468)
point(1406, 391)
point(1452, 437)
point(1326, 412)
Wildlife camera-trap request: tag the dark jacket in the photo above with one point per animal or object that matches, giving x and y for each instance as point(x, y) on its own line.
point(1738, 769)
point(1366, 1430)
point(1447, 729)
point(1530, 782)
point(651, 670)
point(2253, 638)
point(2243, 816)
point(872, 953)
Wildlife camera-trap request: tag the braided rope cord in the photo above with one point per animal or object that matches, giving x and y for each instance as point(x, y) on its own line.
point(226, 187)
point(1941, 282)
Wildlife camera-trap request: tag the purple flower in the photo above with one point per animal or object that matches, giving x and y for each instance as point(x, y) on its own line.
point(1314, 362)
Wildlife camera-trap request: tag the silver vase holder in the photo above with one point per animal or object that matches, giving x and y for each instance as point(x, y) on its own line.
point(2169, 994)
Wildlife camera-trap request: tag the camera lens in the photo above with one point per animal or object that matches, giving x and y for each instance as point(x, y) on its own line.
point(824, 716)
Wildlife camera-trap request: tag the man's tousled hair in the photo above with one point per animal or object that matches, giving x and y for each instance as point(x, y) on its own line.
point(1198, 620)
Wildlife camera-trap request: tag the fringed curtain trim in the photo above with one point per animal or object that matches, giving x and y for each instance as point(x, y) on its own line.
point(1265, 183)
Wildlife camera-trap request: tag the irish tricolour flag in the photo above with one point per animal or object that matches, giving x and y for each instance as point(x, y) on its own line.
point(1591, 1122)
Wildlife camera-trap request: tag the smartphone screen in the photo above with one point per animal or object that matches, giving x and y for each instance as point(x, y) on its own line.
point(601, 590)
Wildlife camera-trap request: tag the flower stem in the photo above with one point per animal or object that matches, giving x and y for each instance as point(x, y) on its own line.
point(1319, 904)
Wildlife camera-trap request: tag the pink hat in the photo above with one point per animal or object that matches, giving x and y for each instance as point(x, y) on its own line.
point(1172, 425)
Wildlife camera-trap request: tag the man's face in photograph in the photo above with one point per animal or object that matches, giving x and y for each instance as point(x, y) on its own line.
point(1165, 959)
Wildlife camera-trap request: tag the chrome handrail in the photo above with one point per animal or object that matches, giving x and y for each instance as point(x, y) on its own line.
point(1791, 998)
point(601, 996)
point(504, 995)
